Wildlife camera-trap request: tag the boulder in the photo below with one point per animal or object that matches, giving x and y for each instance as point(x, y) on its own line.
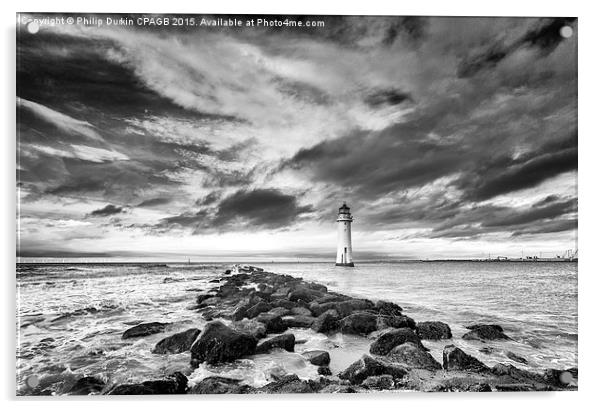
point(367, 366)
point(454, 359)
point(327, 322)
point(561, 378)
point(388, 308)
point(389, 340)
point(433, 330)
point(86, 386)
point(280, 294)
point(302, 293)
point(413, 357)
point(394, 321)
point(279, 311)
point(359, 323)
point(298, 321)
point(177, 343)
point(343, 308)
point(219, 343)
point(273, 323)
point(284, 341)
point(318, 358)
point(379, 382)
point(142, 330)
point(176, 383)
point(252, 327)
point(516, 358)
point(284, 304)
point(257, 309)
point(324, 371)
point(216, 385)
point(288, 384)
point(300, 311)
point(485, 332)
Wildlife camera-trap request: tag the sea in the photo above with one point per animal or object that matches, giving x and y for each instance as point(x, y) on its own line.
point(70, 317)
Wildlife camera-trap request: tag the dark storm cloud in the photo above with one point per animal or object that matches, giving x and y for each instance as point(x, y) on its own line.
point(554, 226)
point(511, 217)
point(108, 210)
point(156, 201)
point(257, 208)
point(546, 37)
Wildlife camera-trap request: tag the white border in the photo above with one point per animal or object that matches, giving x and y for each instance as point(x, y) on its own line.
point(590, 173)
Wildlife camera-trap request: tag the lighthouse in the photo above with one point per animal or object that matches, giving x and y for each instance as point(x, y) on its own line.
point(344, 245)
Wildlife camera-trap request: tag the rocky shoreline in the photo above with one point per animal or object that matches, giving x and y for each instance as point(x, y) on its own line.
point(250, 311)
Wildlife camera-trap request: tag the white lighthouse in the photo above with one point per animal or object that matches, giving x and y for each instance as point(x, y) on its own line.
point(344, 245)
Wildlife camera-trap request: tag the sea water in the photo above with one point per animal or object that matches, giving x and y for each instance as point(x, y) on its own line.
point(70, 317)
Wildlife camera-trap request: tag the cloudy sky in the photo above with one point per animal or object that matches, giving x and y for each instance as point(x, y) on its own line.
point(447, 137)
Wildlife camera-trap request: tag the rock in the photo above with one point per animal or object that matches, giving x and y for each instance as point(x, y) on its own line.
point(367, 366)
point(394, 321)
point(300, 311)
point(142, 330)
point(327, 322)
point(318, 358)
point(334, 388)
point(257, 309)
point(388, 308)
point(252, 327)
point(298, 321)
point(487, 332)
point(227, 272)
point(284, 341)
point(487, 350)
point(379, 382)
point(280, 294)
point(219, 343)
point(240, 312)
point(514, 387)
point(389, 340)
point(288, 384)
point(173, 384)
point(360, 323)
point(273, 323)
point(279, 311)
point(215, 280)
point(454, 359)
point(177, 343)
point(343, 308)
point(324, 371)
point(413, 357)
point(216, 385)
point(304, 294)
point(516, 358)
point(202, 297)
point(284, 304)
point(433, 330)
point(560, 378)
point(86, 386)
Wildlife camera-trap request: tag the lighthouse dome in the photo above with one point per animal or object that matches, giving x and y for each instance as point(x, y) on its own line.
point(344, 209)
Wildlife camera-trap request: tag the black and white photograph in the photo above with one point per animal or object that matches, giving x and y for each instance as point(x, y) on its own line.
point(285, 204)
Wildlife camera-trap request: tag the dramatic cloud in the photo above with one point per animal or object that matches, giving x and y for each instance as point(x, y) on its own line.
point(456, 134)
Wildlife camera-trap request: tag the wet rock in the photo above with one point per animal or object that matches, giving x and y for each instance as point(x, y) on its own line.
point(379, 382)
point(561, 378)
point(516, 358)
point(288, 384)
point(252, 327)
point(86, 386)
point(487, 350)
point(177, 343)
point(343, 308)
point(228, 272)
point(334, 388)
point(142, 330)
point(433, 330)
point(388, 308)
point(219, 343)
point(173, 384)
point(300, 311)
point(216, 385)
point(284, 341)
point(318, 358)
point(324, 371)
point(389, 340)
point(394, 321)
point(485, 332)
point(413, 357)
point(514, 387)
point(279, 311)
point(359, 323)
point(304, 294)
point(280, 294)
point(298, 321)
point(332, 297)
point(273, 323)
point(367, 366)
point(454, 359)
point(327, 322)
point(257, 309)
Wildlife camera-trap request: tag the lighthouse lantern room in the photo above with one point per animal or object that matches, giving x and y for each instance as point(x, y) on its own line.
point(344, 220)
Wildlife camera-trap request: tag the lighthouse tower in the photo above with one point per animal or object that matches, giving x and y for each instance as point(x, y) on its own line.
point(344, 245)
